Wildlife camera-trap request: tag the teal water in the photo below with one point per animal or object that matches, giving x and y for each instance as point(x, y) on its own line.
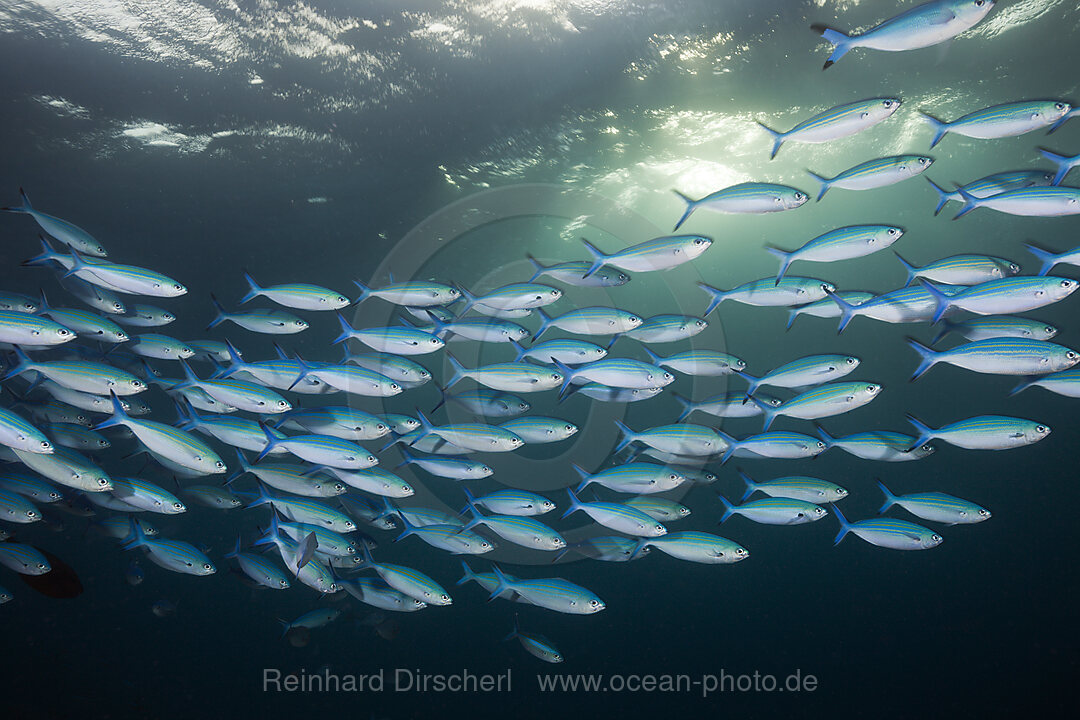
point(327, 141)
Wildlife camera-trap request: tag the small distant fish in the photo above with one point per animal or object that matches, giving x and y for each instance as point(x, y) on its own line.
point(134, 574)
point(212, 497)
point(659, 508)
point(606, 549)
point(936, 507)
point(703, 363)
point(888, 533)
point(992, 185)
point(661, 253)
point(882, 445)
point(298, 295)
point(139, 315)
point(838, 122)
point(775, 511)
point(452, 468)
point(551, 593)
point(67, 233)
point(159, 347)
point(985, 328)
point(961, 270)
point(164, 608)
point(566, 351)
point(269, 322)
point(486, 403)
point(23, 559)
point(998, 121)
point(667, 329)
point(749, 197)
point(574, 273)
point(876, 173)
point(634, 478)
point(1054, 201)
point(767, 292)
point(921, 26)
point(174, 555)
point(311, 620)
point(17, 302)
point(536, 645)
point(696, 547)
point(807, 489)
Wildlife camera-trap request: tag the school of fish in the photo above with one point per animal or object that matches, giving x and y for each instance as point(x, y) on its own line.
point(80, 379)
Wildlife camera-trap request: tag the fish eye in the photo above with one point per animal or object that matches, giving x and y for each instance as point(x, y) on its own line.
point(1059, 106)
point(41, 566)
point(924, 161)
point(887, 103)
point(800, 196)
point(178, 506)
point(219, 464)
point(207, 566)
point(1066, 283)
point(102, 482)
point(1041, 428)
point(31, 513)
point(1050, 330)
point(821, 445)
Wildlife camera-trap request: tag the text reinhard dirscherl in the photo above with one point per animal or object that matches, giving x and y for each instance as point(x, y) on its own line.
point(411, 680)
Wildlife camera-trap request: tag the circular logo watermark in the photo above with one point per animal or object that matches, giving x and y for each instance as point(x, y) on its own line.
point(483, 242)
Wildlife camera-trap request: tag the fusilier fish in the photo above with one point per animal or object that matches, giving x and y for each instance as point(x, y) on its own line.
point(661, 253)
point(935, 507)
point(888, 533)
point(840, 121)
point(998, 121)
point(843, 243)
point(749, 197)
point(875, 173)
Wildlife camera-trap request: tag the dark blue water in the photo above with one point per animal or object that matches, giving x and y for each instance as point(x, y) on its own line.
point(334, 141)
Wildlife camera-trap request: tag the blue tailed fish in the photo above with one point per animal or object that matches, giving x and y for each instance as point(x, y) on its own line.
point(603, 393)
point(511, 502)
point(607, 549)
point(804, 372)
point(840, 121)
point(774, 511)
point(451, 538)
point(69, 468)
point(23, 559)
point(566, 351)
point(1055, 201)
point(486, 403)
point(375, 592)
point(280, 373)
point(406, 580)
point(590, 321)
point(1050, 259)
point(827, 308)
point(15, 432)
point(876, 173)
point(397, 340)
point(574, 273)
point(294, 479)
point(349, 379)
point(19, 328)
point(310, 620)
point(1005, 296)
point(906, 305)
point(96, 297)
point(536, 645)
point(773, 444)
point(406, 372)
point(616, 516)
point(305, 511)
point(696, 547)
point(238, 393)
point(147, 496)
point(936, 507)
point(998, 121)
point(1065, 383)
point(634, 478)
point(127, 279)
point(822, 401)
point(659, 508)
point(537, 429)
point(984, 432)
point(17, 302)
point(961, 270)
point(985, 328)
point(679, 439)
point(211, 496)
point(807, 489)
point(85, 324)
point(507, 377)
point(159, 347)
point(87, 377)
point(414, 293)
point(78, 437)
point(367, 512)
point(843, 243)
point(447, 467)
point(140, 315)
point(992, 185)
point(373, 480)
point(519, 296)
point(258, 568)
point(888, 533)
point(321, 450)
point(882, 445)
point(268, 322)
point(69, 234)
point(175, 555)
point(769, 293)
point(1063, 162)
point(921, 26)
point(17, 509)
point(698, 362)
point(661, 253)
point(30, 487)
point(471, 436)
point(724, 406)
point(312, 573)
point(519, 529)
point(344, 422)
point(325, 542)
point(999, 356)
point(666, 329)
point(616, 372)
point(297, 295)
point(749, 197)
point(489, 581)
point(166, 441)
point(550, 593)
point(480, 329)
